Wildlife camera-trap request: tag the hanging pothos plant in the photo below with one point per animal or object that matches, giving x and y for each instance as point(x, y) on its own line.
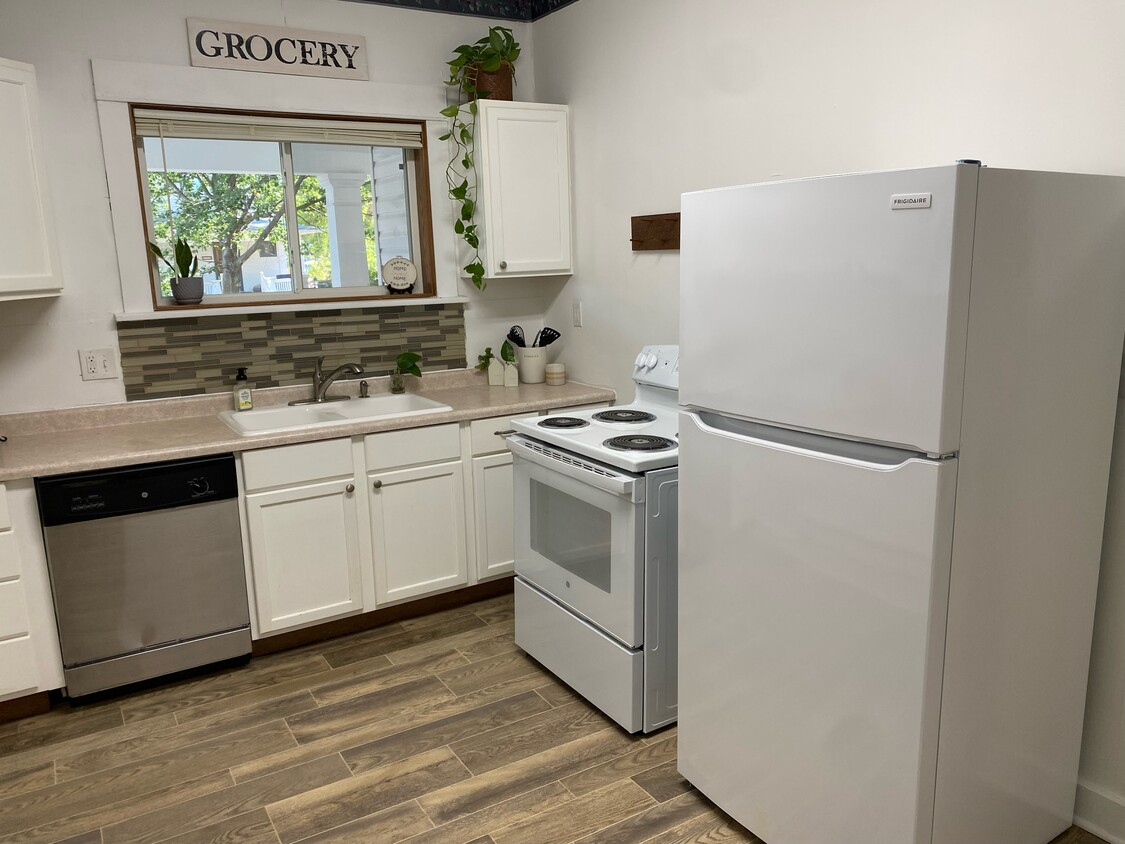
point(485, 68)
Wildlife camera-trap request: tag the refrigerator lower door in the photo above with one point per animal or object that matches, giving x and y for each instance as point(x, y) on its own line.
point(813, 588)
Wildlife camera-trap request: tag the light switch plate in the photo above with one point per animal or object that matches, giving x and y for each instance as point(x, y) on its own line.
point(576, 313)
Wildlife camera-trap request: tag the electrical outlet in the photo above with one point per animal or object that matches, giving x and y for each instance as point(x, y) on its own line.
point(97, 364)
point(576, 313)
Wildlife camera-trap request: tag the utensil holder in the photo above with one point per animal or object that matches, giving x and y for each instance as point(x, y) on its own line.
point(532, 363)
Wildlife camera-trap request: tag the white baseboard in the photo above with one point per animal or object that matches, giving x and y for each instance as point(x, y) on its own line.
point(1100, 812)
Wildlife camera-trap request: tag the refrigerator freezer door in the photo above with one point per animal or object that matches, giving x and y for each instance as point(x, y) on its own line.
point(813, 304)
point(813, 588)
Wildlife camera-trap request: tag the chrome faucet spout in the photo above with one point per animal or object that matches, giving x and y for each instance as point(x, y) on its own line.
point(321, 382)
point(328, 380)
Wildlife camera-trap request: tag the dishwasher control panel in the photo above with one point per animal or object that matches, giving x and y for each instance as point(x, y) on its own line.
point(64, 499)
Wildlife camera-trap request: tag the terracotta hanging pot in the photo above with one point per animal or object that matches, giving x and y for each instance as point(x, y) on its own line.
point(493, 85)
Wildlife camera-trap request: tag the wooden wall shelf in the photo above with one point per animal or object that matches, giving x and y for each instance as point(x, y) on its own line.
point(656, 231)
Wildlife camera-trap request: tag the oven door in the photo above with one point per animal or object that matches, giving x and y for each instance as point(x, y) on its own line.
point(580, 536)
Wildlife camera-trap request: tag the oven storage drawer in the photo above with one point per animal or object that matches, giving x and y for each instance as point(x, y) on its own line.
point(607, 674)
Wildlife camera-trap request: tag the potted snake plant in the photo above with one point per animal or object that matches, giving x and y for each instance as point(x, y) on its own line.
point(186, 283)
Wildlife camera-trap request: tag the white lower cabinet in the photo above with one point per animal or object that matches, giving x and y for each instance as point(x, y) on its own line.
point(415, 485)
point(30, 660)
point(304, 520)
point(305, 554)
point(491, 504)
point(417, 530)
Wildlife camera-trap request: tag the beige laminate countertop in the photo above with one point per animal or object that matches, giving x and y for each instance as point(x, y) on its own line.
point(79, 439)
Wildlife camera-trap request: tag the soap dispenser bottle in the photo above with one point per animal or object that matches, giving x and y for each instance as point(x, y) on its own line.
point(242, 398)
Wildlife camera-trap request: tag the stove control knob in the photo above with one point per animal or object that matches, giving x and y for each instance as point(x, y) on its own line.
point(640, 361)
point(650, 361)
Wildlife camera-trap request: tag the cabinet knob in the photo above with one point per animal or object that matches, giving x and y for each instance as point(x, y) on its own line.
point(377, 485)
point(503, 265)
point(349, 488)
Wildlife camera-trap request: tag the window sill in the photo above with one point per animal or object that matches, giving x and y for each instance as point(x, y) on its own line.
point(188, 311)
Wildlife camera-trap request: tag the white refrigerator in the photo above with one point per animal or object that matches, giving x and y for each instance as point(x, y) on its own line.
point(898, 393)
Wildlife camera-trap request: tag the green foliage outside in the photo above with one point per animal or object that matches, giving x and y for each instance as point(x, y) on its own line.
point(219, 209)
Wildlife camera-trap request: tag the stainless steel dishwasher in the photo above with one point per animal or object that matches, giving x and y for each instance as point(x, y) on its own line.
point(146, 570)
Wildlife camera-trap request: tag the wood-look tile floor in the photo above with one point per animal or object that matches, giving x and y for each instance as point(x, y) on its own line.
point(436, 730)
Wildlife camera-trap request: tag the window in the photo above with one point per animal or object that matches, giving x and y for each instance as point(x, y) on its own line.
point(283, 209)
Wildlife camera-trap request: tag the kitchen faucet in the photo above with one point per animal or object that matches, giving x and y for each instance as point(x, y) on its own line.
point(322, 382)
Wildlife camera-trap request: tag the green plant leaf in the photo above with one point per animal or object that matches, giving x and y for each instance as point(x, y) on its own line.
point(458, 227)
point(472, 239)
point(485, 359)
point(491, 65)
point(449, 111)
point(466, 162)
point(467, 209)
point(507, 353)
point(445, 137)
point(407, 363)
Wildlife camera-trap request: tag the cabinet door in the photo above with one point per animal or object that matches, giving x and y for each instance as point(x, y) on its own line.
point(304, 554)
point(494, 509)
point(31, 266)
point(525, 187)
point(417, 530)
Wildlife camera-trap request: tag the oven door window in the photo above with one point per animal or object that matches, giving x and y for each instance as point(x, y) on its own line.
point(573, 534)
point(583, 546)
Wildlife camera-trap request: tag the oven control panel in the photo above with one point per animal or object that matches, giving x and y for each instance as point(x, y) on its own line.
point(658, 366)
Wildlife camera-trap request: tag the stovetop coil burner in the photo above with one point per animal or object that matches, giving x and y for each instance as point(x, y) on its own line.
point(639, 442)
point(624, 415)
point(563, 422)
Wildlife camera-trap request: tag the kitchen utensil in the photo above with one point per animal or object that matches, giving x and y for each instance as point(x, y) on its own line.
point(547, 336)
point(515, 334)
point(535, 342)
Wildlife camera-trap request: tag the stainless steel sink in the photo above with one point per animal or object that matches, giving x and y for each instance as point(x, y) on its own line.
point(275, 420)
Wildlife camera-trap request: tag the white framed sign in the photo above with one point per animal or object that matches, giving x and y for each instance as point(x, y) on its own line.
point(274, 49)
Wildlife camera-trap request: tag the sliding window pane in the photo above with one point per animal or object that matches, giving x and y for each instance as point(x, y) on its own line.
point(227, 198)
point(352, 212)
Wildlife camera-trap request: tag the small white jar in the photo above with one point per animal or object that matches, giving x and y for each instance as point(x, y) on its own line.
point(555, 374)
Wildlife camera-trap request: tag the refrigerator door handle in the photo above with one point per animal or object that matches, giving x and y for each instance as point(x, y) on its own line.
point(878, 458)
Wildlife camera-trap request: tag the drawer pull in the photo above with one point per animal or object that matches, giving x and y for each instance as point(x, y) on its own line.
point(349, 488)
point(503, 434)
point(503, 265)
point(377, 485)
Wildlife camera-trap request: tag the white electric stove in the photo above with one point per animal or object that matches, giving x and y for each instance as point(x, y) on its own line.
point(596, 504)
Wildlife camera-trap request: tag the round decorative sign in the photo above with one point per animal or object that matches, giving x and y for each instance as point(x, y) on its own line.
point(399, 275)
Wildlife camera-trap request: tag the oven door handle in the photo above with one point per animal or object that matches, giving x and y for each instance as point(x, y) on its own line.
point(596, 475)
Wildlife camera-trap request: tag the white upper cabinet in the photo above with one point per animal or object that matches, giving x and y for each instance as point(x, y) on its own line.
point(30, 268)
point(523, 161)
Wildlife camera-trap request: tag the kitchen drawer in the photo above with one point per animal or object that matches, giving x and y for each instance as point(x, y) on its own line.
point(295, 464)
point(412, 446)
point(5, 519)
point(602, 670)
point(17, 666)
point(13, 610)
point(9, 556)
point(483, 434)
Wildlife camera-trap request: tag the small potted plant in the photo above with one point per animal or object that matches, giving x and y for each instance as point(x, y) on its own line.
point(187, 285)
point(485, 68)
point(405, 364)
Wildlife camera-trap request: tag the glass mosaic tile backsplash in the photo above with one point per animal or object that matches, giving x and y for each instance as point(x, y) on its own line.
point(202, 353)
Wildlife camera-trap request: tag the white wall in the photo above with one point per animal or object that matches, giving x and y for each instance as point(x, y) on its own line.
point(39, 339)
point(670, 96)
